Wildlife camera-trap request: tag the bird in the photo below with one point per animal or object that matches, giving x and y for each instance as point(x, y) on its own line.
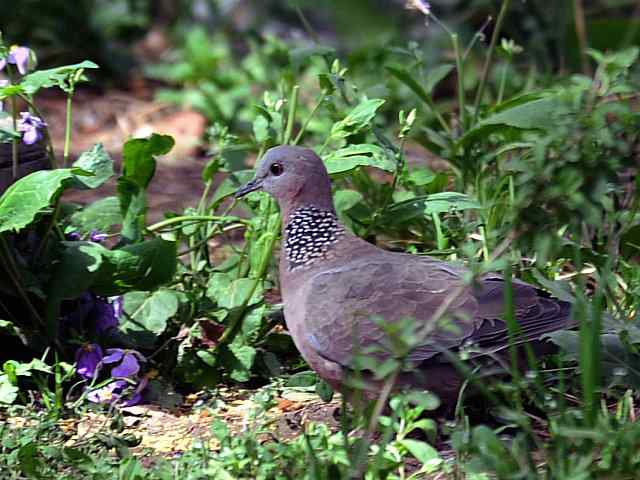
point(341, 293)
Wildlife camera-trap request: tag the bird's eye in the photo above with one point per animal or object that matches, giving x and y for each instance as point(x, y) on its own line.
point(276, 169)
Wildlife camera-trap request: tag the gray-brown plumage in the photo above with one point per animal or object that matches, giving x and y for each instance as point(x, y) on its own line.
point(336, 287)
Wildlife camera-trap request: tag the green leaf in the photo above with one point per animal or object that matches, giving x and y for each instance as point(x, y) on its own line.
point(76, 269)
point(7, 135)
point(142, 266)
point(8, 391)
point(231, 293)
point(353, 156)
point(302, 379)
point(52, 77)
point(101, 215)
point(425, 453)
point(324, 391)
point(10, 90)
point(421, 177)
point(147, 314)
point(447, 201)
point(533, 111)
point(230, 184)
point(358, 119)
point(434, 77)
point(239, 360)
point(261, 129)
point(251, 327)
point(8, 327)
point(300, 55)
point(138, 157)
point(98, 162)
point(344, 200)
point(30, 196)
point(531, 115)
point(424, 205)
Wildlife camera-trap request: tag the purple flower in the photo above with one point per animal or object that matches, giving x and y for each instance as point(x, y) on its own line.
point(97, 236)
point(31, 127)
point(73, 236)
point(118, 306)
point(114, 392)
point(88, 357)
point(129, 362)
point(106, 314)
point(18, 56)
point(77, 311)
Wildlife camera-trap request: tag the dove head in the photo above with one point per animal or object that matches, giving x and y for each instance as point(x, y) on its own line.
point(295, 177)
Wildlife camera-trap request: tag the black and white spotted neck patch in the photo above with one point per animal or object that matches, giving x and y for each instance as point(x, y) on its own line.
point(309, 235)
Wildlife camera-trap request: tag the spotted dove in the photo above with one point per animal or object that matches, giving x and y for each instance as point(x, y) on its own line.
point(336, 287)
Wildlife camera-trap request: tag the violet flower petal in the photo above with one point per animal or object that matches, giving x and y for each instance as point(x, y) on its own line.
point(104, 316)
point(128, 368)
point(113, 355)
point(20, 57)
point(118, 306)
point(88, 358)
point(108, 393)
point(31, 136)
point(73, 236)
point(97, 237)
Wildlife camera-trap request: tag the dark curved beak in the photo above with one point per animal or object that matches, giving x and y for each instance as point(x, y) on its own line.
point(252, 186)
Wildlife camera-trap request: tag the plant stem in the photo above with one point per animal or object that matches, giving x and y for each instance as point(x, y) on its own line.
point(194, 218)
point(67, 133)
point(293, 106)
point(323, 95)
point(12, 271)
point(460, 69)
point(503, 82)
point(487, 63)
point(228, 228)
point(14, 142)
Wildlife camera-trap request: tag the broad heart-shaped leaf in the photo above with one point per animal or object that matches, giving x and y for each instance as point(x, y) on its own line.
point(96, 161)
point(357, 119)
point(101, 215)
point(76, 269)
point(142, 266)
point(138, 157)
point(146, 315)
point(30, 196)
point(139, 166)
point(238, 359)
point(229, 292)
point(251, 325)
point(52, 77)
point(132, 199)
point(353, 156)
